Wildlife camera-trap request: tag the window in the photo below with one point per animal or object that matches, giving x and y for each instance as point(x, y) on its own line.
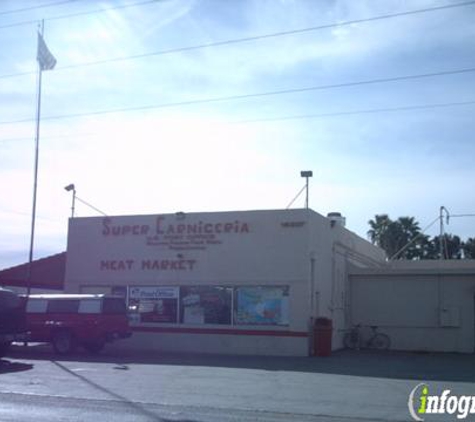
point(63, 306)
point(153, 304)
point(119, 291)
point(90, 306)
point(261, 305)
point(205, 305)
point(201, 305)
point(36, 306)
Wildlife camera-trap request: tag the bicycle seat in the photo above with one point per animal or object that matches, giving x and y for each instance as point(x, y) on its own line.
point(373, 327)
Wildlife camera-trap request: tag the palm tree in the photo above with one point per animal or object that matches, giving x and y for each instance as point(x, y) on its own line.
point(402, 237)
point(379, 227)
point(451, 246)
point(469, 248)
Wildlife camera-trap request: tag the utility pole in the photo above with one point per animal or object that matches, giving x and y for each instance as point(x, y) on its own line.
point(307, 174)
point(442, 234)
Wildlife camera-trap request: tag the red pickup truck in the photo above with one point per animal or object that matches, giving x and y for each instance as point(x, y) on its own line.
point(12, 319)
point(71, 320)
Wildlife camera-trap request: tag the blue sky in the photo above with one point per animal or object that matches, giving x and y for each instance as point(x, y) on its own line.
point(209, 156)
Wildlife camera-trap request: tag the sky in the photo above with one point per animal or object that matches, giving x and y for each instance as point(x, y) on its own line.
point(211, 105)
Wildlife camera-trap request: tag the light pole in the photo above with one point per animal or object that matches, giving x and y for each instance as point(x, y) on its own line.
point(307, 174)
point(70, 188)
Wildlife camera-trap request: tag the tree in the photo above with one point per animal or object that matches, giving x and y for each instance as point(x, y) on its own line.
point(452, 247)
point(469, 248)
point(402, 237)
point(379, 228)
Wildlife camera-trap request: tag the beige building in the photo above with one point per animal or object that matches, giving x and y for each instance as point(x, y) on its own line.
point(421, 305)
point(253, 282)
point(246, 282)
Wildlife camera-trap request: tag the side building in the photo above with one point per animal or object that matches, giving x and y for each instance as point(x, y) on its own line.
point(424, 306)
point(244, 282)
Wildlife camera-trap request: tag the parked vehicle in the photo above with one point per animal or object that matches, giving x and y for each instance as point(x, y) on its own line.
point(71, 320)
point(12, 319)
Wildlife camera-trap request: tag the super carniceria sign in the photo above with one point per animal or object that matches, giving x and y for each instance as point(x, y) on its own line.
point(169, 235)
point(169, 229)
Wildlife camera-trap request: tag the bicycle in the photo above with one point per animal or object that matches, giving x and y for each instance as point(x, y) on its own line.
point(354, 340)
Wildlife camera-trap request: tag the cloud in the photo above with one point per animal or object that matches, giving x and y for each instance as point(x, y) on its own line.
point(190, 158)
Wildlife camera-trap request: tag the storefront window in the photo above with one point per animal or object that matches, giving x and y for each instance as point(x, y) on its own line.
point(205, 305)
point(200, 305)
point(153, 304)
point(119, 291)
point(261, 305)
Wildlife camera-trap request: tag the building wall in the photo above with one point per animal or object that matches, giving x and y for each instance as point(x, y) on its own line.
point(296, 258)
point(234, 249)
point(335, 249)
point(423, 312)
point(255, 249)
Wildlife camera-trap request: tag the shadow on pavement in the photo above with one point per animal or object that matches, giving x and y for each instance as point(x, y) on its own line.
point(396, 365)
point(6, 366)
point(136, 407)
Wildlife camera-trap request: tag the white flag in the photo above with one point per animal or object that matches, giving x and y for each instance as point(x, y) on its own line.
point(45, 59)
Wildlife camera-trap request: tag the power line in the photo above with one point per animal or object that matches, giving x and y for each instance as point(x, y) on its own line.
point(230, 41)
point(247, 96)
point(39, 6)
point(25, 213)
point(266, 36)
point(73, 135)
point(356, 112)
point(305, 116)
point(422, 233)
point(72, 15)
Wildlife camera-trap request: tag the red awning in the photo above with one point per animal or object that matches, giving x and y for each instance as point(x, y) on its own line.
point(46, 273)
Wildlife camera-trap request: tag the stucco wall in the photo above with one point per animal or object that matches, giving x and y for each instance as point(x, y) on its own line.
point(426, 312)
point(296, 248)
point(335, 249)
point(254, 248)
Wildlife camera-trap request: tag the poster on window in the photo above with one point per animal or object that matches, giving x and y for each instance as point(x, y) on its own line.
point(154, 304)
point(261, 305)
point(205, 305)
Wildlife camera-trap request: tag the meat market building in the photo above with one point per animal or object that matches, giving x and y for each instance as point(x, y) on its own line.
point(249, 282)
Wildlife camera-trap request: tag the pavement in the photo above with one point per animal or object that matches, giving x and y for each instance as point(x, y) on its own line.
point(348, 385)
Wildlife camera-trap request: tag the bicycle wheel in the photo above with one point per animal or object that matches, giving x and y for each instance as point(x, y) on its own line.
point(350, 340)
point(380, 341)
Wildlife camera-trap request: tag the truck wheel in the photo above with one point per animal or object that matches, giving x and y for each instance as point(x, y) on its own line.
point(4, 348)
point(94, 347)
point(63, 342)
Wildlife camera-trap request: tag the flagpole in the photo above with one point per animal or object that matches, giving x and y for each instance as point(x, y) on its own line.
point(35, 178)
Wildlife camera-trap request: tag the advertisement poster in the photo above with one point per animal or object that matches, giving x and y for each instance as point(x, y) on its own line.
point(206, 305)
point(154, 304)
point(262, 306)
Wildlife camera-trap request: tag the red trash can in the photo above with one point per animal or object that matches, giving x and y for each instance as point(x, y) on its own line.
point(323, 331)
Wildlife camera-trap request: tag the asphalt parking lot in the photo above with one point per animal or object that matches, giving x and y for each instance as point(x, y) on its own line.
point(346, 386)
